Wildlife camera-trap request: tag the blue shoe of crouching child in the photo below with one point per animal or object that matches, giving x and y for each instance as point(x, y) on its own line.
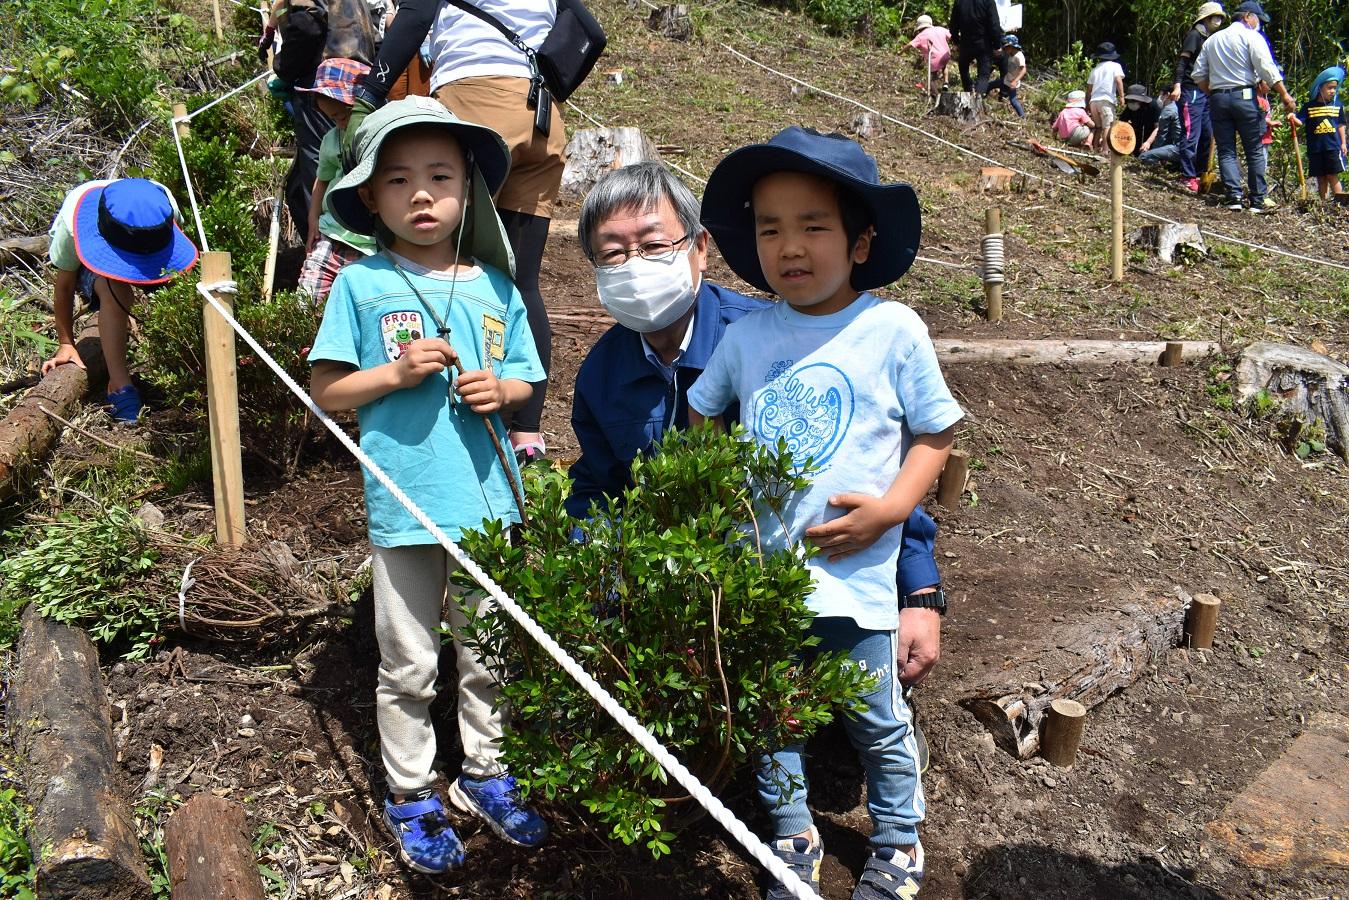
point(497, 802)
point(426, 841)
point(124, 405)
point(891, 874)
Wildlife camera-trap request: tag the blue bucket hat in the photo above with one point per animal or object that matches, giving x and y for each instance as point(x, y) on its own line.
point(125, 230)
point(1105, 52)
point(893, 208)
point(1335, 74)
point(1255, 9)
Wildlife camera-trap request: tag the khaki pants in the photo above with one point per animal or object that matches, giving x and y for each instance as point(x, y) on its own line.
point(499, 102)
point(410, 586)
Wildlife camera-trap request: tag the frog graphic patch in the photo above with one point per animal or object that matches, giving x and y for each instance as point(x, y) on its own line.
point(399, 330)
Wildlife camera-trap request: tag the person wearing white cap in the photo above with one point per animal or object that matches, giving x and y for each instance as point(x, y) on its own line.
point(1073, 123)
point(932, 42)
point(1192, 103)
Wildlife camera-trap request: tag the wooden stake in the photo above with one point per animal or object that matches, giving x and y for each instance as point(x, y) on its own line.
point(1171, 355)
point(183, 129)
point(1116, 216)
point(219, 30)
point(222, 400)
point(273, 245)
point(993, 292)
point(1202, 621)
point(1063, 732)
point(952, 482)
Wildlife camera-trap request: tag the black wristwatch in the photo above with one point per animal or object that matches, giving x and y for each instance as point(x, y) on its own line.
point(931, 600)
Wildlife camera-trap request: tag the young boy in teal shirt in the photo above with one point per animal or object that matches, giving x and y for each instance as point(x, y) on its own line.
point(851, 382)
point(439, 296)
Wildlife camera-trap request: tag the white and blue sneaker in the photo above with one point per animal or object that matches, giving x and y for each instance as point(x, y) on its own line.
point(497, 802)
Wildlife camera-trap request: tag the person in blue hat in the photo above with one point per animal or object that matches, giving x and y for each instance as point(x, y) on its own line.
point(1324, 118)
point(1011, 60)
point(850, 382)
point(109, 238)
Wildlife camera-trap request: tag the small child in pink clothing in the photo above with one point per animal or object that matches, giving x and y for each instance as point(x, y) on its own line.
point(934, 43)
point(1073, 123)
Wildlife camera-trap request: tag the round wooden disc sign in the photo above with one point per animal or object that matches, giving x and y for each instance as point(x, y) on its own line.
point(1122, 138)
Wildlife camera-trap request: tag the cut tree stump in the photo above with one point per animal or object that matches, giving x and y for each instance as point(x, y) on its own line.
point(28, 434)
point(1070, 353)
point(594, 151)
point(966, 106)
point(58, 712)
point(671, 21)
point(1164, 239)
point(994, 179)
point(866, 125)
point(30, 251)
point(1308, 386)
point(1086, 663)
point(210, 852)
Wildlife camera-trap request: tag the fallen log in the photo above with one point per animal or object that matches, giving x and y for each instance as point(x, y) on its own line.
point(82, 837)
point(210, 853)
point(1064, 352)
point(24, 251)
point(1083, 665)
point(1310, 387)
point(28, 434)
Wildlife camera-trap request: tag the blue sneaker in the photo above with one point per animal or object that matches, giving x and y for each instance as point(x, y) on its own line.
point(497, 802)
point(803, 857)
point(426, 842)
point(891, 874)
point(124, 405)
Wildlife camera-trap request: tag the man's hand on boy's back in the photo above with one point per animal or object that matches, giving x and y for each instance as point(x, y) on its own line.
point(868, 518)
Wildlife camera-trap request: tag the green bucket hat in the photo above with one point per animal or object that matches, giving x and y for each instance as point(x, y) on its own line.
point(483, 237)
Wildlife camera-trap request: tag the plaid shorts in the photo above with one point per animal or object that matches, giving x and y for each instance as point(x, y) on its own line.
point(322, 265)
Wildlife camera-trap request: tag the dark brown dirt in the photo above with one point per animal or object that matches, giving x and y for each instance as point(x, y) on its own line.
point(1088, 486)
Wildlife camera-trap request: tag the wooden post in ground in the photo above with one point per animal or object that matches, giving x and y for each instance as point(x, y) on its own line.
point(993, 288)
point(951, 484)
point(1202, 621)
point(273, 245)
point(209, 851)
point(183, 129)
point(222, 401)
point(219, 29)
point(1116, 217)
point(1063, 732)
point(1171, 355)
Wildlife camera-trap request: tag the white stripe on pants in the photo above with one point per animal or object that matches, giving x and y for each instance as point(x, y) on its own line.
point(410, 586)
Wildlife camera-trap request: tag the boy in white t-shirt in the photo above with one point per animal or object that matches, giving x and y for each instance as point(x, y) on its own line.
point(1105, 88)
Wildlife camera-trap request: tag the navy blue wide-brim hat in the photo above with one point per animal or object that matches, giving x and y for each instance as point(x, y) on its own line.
point(126, 231)
point(726, 211)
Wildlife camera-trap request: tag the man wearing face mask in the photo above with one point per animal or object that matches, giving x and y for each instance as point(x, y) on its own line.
point(639, 227)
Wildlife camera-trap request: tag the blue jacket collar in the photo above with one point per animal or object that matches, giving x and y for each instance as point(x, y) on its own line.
point(707, 331)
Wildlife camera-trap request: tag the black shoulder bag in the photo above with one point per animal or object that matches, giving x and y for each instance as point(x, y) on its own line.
point(567, 55)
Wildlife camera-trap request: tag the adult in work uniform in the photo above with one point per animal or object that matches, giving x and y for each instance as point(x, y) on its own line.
point(1191, 102)
point(1230, 67)
point(976, 29)
point(482, 77)
point(640, 229)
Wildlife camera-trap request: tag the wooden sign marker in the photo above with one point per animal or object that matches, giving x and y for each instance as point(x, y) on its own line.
point(1122, 140)
point(1202, 621)
point(951, 484)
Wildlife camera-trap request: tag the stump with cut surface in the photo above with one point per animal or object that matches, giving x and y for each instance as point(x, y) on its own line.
point(594, 151)
point(672, 21)
point(210, 854)
point(1308, 386)
point(82, 835)
point(1165, 240)
point(966, 107)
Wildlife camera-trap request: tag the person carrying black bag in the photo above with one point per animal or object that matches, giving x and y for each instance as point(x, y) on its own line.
point(506, 64)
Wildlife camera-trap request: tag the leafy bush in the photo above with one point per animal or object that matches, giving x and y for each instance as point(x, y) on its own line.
point(673, 607)
point(1070, 74)
point(82, 569)
point(17, 870)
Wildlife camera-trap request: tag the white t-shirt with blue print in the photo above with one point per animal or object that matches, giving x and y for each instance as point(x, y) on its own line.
point(440, 455)
point(848, 390)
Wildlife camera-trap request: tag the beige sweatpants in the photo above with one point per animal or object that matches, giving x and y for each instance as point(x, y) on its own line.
point(410, 585)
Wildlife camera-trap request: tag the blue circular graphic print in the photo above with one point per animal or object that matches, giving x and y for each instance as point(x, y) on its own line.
point(810, 408)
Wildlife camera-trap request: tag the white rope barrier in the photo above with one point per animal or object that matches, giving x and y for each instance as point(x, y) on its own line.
point(680, 773)
point(994, 257)
point(187, 180)
point(957, 147)
point(223, 97)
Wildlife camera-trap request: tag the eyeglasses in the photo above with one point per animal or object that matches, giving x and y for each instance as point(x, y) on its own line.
point(657, 250)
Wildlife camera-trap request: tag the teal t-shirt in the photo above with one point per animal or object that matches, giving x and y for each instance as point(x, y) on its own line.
point(329, 170)
point(440, 455)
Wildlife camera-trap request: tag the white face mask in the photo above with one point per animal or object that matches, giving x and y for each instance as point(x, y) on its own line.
point(646, 295)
